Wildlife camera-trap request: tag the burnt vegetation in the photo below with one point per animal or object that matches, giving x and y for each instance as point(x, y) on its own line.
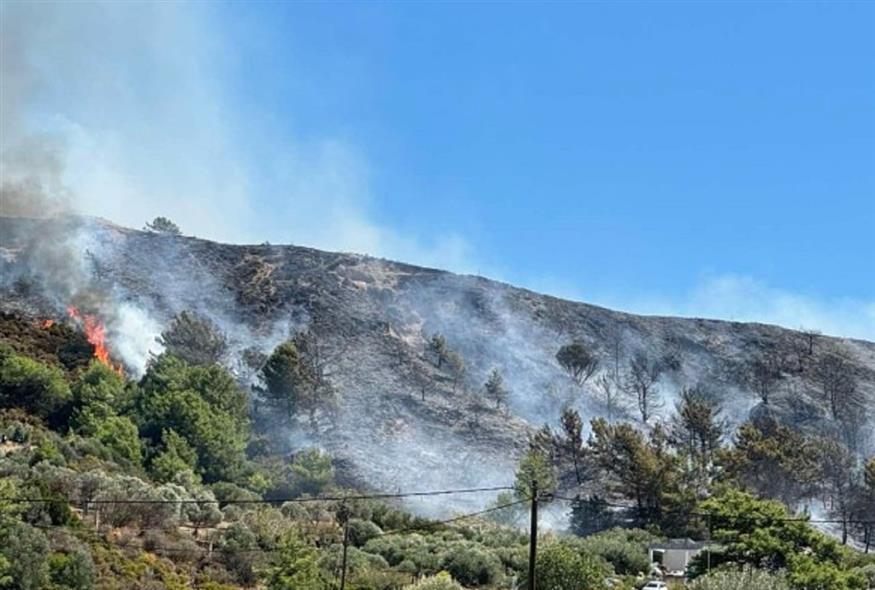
point(382, 368)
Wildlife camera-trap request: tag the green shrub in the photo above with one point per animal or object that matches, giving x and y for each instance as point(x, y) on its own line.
point(441, 581)
point(362, 531)
point(73, 571)
point(471, 565)
point(625, 550)
point(562, 565)
point(32, 386)
point(748, 579)
point(25, 549)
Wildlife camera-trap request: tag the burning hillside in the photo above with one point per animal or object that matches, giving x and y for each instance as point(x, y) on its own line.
point(401, 420)
point(95, 333)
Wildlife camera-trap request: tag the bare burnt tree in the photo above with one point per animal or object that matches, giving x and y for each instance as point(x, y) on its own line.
point(578, 361)
point(810, 337)
point(672, 356)
point(457, 367)
point(837, 385)
point(315, 353)
point(802, 345)
point(763, 374)
point(609, 392)
point(641, 384)
point(838, 482)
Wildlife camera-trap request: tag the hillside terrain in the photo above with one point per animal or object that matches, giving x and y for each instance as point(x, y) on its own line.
point(177, 413)
point(401, 422)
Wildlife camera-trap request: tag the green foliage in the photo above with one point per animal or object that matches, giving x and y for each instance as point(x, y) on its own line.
point(202, 405)
point(25, 550)
point(32, 386)
point(438, 347)
point(290, 381)
point(162, 225)
point(495, 388)
point(745, 579)
point(118, 433)
point(534, 467)
point(176, 456)
point(440, 581)
point(696, 431)
point(639, 469)
point(762, 534)
point(362, 531)
point(71, 571)
point(578, 361)
point(471, 565)
point(194, 339)
point(564, 566)
point(624, 549)
point(773, 460)
point(591, 515)
point(99, 388)
point(509, 515)
point(311, 471)
point(294, 567)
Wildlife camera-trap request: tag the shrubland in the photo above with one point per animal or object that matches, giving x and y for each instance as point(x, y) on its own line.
point(176, 480)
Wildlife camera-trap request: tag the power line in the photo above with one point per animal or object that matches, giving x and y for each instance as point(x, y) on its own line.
point(452, 520)
point(335, 498)
point(714, 514)
point(225, 550)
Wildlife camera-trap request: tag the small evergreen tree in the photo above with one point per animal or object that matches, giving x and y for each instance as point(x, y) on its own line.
point(295, 566)
point(495, 389)
point(195, 339)
point(437, 346)
point(162, 225)
point(578, 361)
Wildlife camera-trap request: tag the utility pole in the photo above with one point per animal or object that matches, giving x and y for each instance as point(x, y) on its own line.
point(344, 515)
point(710, 528)
point(533, 535)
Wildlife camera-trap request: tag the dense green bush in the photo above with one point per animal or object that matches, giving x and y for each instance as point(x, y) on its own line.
point(440, 581)
point(470, 564)
point(71, 571)
point(32, 386)
point(562, 565)
point(25, 550)
point(624, 549)
point(747, 579)
point(203, 405)
point(362, 531)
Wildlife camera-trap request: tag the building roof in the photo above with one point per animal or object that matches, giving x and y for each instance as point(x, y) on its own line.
point(678, 544)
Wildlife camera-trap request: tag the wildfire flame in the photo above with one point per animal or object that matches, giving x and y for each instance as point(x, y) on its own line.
point(44, 324)
point(95, 332)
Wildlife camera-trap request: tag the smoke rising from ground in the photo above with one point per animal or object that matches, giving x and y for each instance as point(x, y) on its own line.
point(126, 111)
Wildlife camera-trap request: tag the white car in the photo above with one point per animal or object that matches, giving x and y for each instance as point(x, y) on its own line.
point(654, 585)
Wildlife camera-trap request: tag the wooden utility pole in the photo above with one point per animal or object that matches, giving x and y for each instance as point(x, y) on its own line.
point(533, 535)
point(343, 559)
point(344, 515)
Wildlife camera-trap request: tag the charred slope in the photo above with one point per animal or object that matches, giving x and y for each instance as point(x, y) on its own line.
point(402, 421)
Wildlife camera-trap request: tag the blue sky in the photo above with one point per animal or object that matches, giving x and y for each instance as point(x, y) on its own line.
point(691, 158)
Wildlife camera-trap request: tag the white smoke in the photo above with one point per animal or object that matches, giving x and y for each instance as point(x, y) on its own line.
point(134, 337)
point(128, 111)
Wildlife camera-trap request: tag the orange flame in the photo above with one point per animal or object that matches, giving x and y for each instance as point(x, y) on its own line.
point(44, 324)
point(95, 332)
